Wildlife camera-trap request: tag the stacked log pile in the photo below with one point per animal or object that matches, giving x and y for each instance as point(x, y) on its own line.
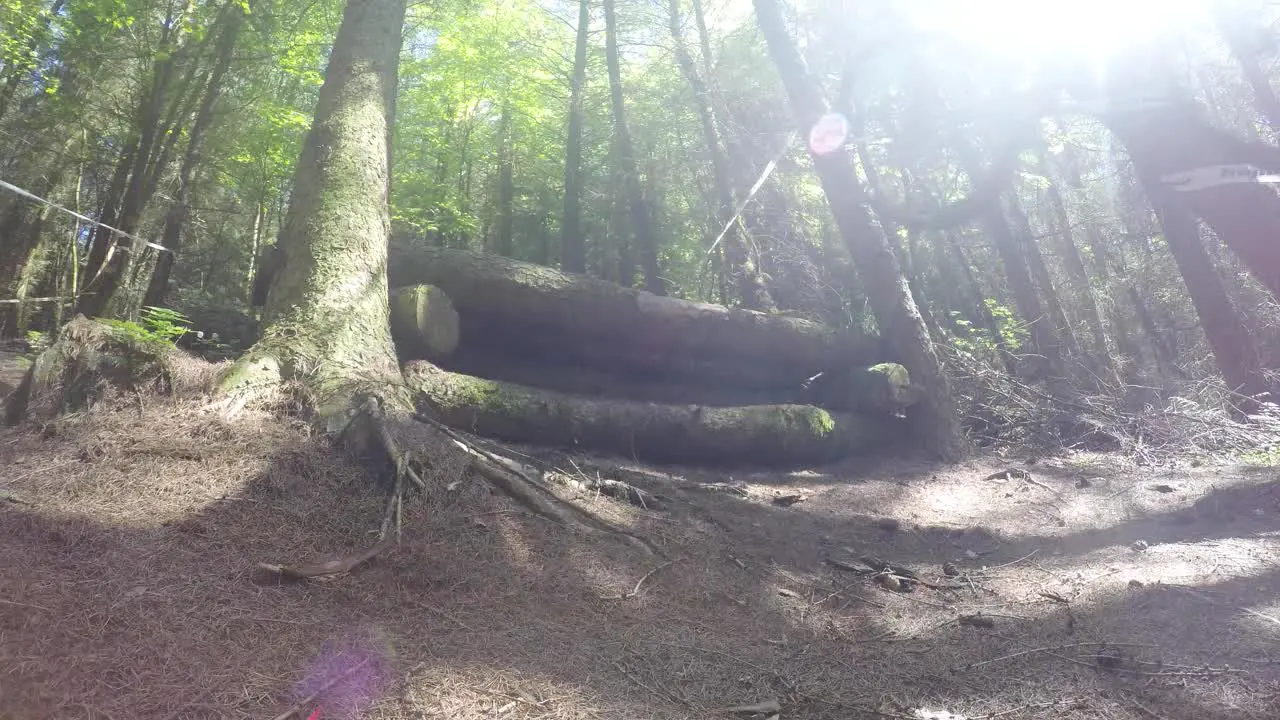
point(526, 353)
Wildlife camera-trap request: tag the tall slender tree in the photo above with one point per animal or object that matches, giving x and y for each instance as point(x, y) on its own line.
point(895, 311)
point(646, 240)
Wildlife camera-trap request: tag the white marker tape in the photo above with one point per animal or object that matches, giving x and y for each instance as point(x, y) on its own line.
point(1217, 175)
point(91, 221)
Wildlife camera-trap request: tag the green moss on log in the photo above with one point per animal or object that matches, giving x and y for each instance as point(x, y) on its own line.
point(774, 435)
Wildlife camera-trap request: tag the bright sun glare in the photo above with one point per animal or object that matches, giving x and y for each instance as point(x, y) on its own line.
point(1034, 31)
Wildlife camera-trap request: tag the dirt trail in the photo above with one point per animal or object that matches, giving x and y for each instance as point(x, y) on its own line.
point(127, 588)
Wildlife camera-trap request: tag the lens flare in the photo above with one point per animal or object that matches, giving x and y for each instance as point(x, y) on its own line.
point(828, 134)
point(348, 675)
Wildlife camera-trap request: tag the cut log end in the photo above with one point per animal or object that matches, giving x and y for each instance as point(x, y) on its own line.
point(424, 322)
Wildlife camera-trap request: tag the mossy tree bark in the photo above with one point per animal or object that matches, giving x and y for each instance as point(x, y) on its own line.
point(326, 320)
point(776, 435)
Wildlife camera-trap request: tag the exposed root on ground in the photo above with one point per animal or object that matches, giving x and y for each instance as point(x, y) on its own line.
point(520, 484)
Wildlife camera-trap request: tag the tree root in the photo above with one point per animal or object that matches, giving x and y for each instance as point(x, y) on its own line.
point(518, 483)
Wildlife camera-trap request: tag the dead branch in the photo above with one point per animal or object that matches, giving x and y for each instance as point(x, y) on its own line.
point(636, 590)
point(328, 567)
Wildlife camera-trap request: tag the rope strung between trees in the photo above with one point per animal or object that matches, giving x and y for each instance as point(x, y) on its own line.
point(19, 191)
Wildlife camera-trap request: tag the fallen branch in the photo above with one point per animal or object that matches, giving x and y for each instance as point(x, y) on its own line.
point(613, 488)
point(636, 590)
point(329, 567)
point(7, 496)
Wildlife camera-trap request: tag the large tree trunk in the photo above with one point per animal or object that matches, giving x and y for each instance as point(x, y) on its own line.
point(777, 435)
point(1174, 137)
point(573, 251)
point(511, 304)
point(326, 320)
point(891, 302)
point(1239, 35)
point(1233, 347)
point(158, 287)
point(424, 323)
point(742, 269)
point(646, 240)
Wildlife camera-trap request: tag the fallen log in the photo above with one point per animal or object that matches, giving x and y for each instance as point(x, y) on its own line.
point(556, 313)
point(773, 435)
point(424, 322)
point(881, 388)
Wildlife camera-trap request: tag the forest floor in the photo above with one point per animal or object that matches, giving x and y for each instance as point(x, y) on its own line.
point(129, 539)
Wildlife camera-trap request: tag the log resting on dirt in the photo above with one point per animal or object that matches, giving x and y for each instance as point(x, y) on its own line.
point(423, 322)
point(521, 305)
point(773, 435)
point(883, 388)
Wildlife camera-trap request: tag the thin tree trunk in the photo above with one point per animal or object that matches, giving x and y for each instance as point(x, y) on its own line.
point(1233, 347)
point(111, 274)
point(573, 251)
point(704, 40)
point(1017, 268)
point(895, 311)
point(1081, 286)
point(1044, 281)
point(646, 242)
point(505, 245)
point(742, 270)
point(892, 230)
point(158, 287)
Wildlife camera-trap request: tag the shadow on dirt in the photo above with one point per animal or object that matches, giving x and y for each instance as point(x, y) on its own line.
point(487, 611)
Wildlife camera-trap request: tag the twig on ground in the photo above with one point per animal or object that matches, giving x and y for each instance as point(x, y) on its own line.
point(329, 567)
point(1024, 708)
point(392, 510)
point(1015, 562)
point(8, 496)
point(636, 590)
point(1037, 483)
point(1146, 709)
point(437, 611)
point(19, 604)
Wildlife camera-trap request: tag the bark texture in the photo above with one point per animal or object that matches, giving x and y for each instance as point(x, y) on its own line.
point(776, 435)
point(423, 322)
point(507, 304)
point(326, 320)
